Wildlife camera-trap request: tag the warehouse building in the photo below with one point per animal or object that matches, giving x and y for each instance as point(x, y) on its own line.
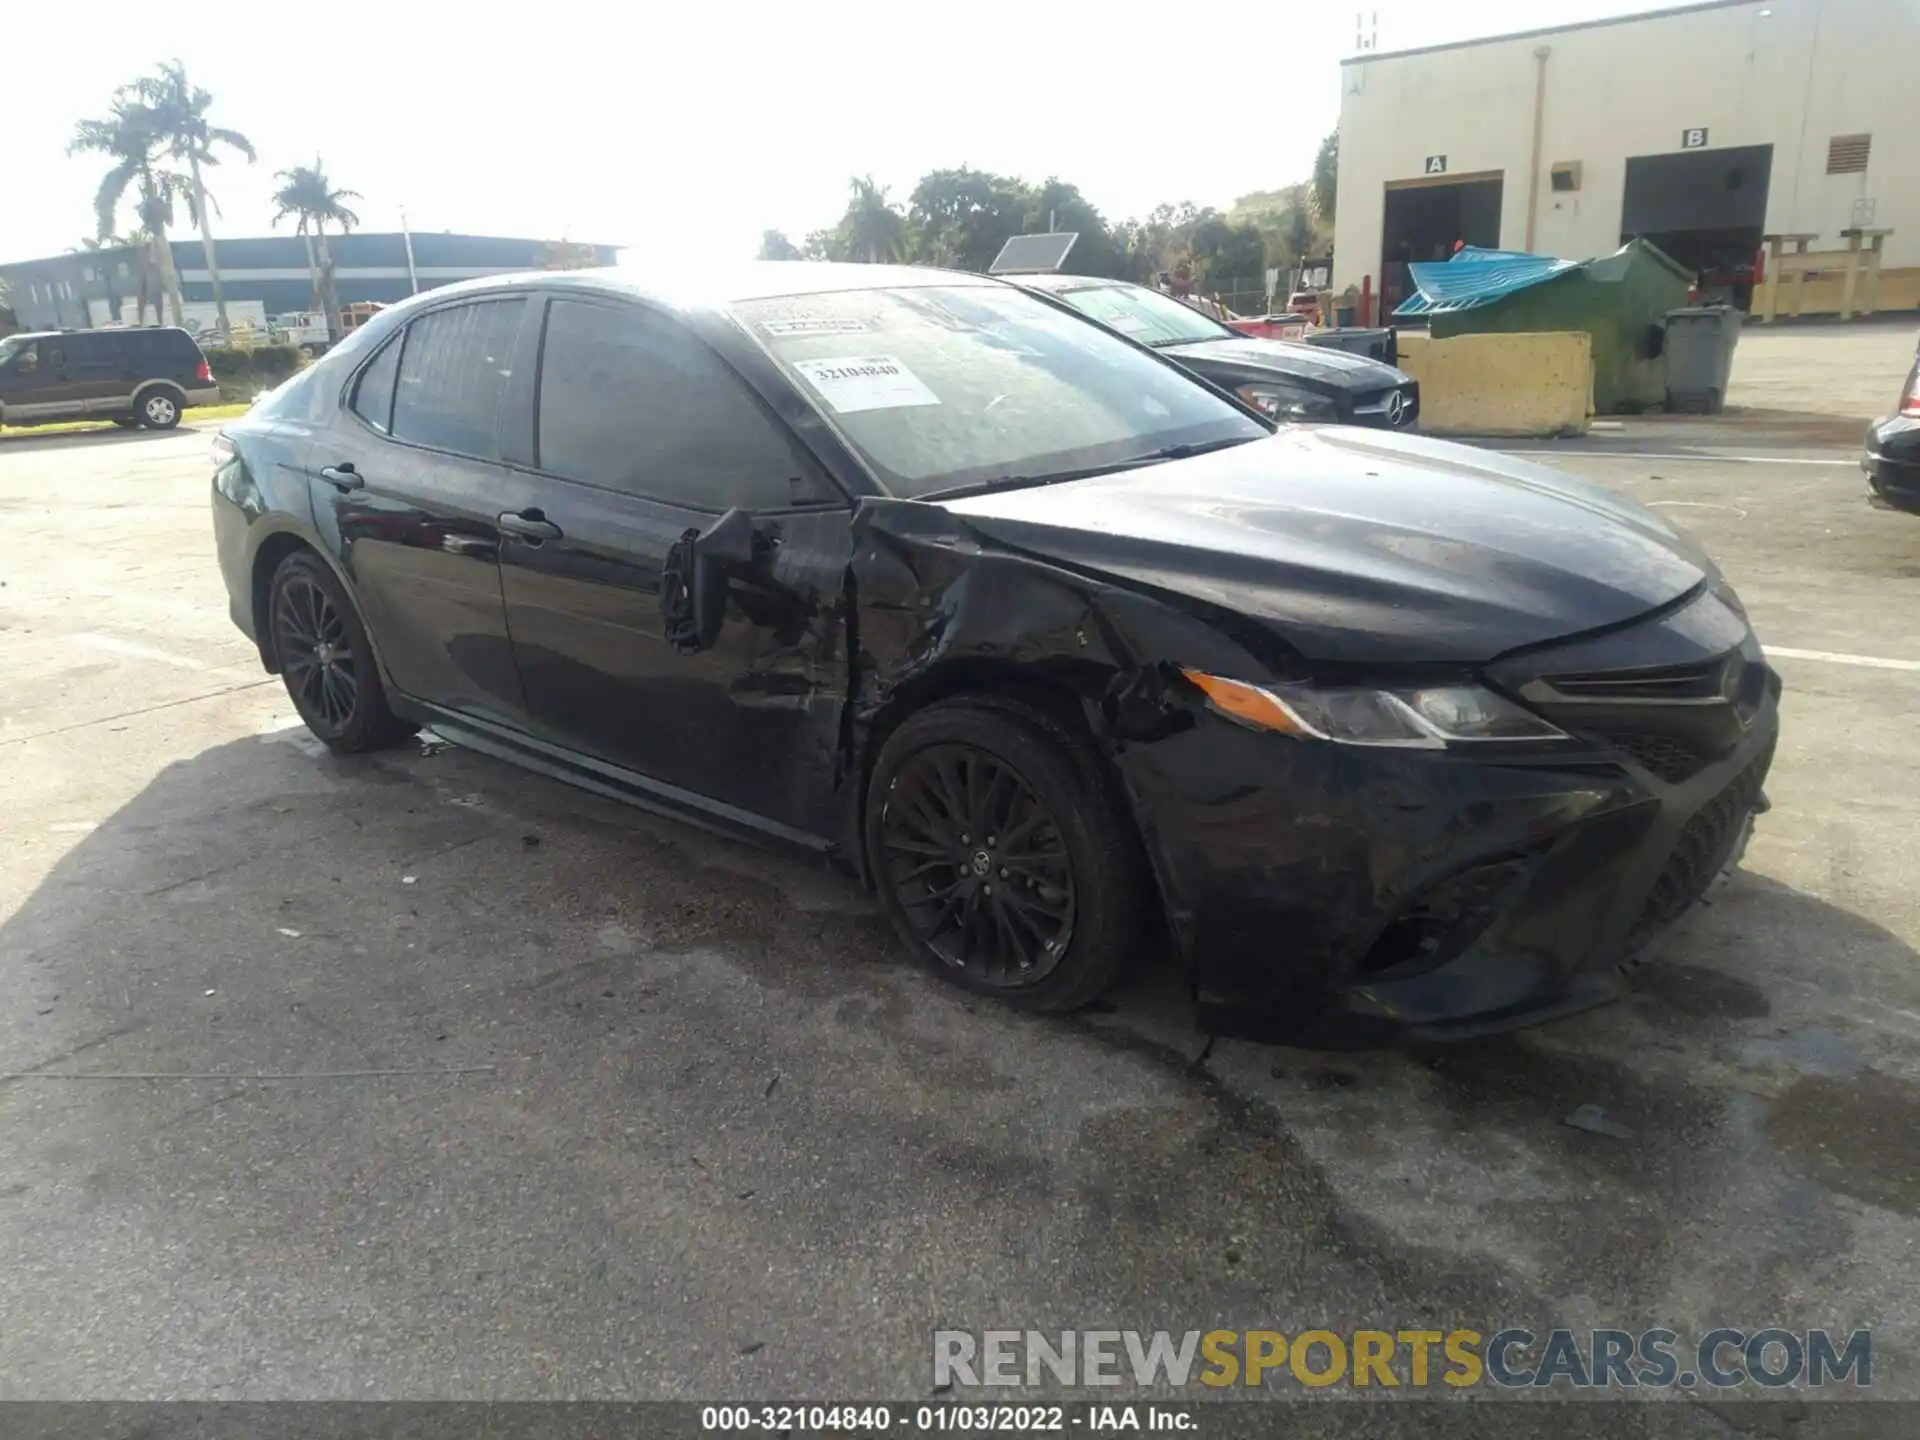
point(270, 275)
point(1702, 128)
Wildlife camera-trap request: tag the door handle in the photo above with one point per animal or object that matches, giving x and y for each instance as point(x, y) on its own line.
point(529, 524)
point(342, 477)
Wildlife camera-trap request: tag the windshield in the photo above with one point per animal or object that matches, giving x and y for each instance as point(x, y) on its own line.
point(11, 346)
point(950, 387)
point(1145, 315)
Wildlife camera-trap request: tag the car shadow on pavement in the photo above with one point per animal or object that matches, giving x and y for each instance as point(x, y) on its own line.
point(415, 1067)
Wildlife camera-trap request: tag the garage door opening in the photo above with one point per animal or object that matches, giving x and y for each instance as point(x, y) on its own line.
point(1705, 208)
point(1425, 219)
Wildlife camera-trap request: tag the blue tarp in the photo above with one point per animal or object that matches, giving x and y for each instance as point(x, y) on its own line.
point(1474, 277)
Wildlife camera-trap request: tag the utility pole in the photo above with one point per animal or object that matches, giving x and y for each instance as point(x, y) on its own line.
point(406, 235)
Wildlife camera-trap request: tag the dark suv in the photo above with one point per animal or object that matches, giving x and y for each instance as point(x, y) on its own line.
point(131, 377)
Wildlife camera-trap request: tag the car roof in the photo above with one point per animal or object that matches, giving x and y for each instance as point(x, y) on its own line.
point(697, 288)
point(100, 330)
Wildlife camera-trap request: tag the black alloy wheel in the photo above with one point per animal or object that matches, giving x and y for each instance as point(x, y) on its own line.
point(1001, 854)
point(979, 864)
point(325, 659)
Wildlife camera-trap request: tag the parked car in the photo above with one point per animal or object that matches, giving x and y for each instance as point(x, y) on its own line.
point(1288, 381)
point(1056, 646)
point(132, 377)
point(1892, 454)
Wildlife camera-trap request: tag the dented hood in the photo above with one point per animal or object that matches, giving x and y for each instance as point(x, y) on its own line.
point(1359, 546)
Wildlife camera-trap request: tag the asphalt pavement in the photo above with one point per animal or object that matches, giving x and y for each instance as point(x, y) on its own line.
point(477, 1086)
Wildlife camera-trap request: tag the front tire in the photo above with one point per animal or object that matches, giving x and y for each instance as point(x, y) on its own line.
point(1002, 855)
point(159, 409)
point(325, 659)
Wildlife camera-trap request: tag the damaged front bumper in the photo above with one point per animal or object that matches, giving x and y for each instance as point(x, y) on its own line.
point(1450, 893)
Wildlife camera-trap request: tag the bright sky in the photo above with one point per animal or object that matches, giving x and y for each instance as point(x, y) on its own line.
point(692, 128)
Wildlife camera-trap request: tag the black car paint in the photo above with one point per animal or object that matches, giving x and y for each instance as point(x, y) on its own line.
point(1891, 456)
point(842, 618)
point(1358, 387)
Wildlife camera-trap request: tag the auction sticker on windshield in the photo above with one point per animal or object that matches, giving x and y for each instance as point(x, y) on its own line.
point(865, 382)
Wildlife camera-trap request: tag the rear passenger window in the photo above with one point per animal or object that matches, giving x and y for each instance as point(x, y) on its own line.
point(373, 394)
point(453, 377)
point(632, 401)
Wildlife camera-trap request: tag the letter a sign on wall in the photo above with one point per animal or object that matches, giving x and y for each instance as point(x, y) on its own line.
point(1436, 164)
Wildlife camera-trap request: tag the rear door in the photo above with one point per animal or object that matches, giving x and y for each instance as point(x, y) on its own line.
point(646, 436)
point(408, 487)
point(99, 365)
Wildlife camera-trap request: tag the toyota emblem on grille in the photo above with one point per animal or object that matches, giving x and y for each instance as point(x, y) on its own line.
point(1396, 408)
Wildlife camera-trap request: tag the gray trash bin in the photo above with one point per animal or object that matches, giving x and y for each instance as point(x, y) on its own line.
point(1699, 351)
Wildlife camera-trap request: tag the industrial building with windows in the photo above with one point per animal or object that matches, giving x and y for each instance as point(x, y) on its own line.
point(268, 276)
point(1704, 129)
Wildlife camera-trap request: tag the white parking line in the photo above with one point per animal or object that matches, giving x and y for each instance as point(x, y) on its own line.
point(1846, 460)
point(134, 650)
point(1871, 662)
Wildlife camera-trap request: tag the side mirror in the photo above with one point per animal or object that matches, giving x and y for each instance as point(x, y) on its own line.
point(693, 582)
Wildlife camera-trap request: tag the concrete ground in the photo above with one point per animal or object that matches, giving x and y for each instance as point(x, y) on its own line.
point(1823, 370)
point(592, 1104)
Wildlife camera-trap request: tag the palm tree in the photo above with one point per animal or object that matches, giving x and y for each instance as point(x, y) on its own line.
point(306, 192)
point(177, 112)
point(127, 137)
point(876, 232)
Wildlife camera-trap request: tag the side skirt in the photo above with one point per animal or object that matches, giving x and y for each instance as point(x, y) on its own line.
point(613, 781)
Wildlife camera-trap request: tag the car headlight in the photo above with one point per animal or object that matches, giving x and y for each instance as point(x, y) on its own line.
point(1283, 402)
point(1424, 717)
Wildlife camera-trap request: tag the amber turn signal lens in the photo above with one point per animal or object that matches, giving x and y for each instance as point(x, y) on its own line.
point(1246, 703)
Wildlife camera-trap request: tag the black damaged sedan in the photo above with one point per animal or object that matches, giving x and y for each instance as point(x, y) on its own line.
point(1054, 646)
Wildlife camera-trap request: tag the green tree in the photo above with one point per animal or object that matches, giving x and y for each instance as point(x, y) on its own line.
point(1326, 176)
point(1228, 254)
point(309, 195)
point(960, 218)
point(177, 114)
point(1060, 207)
point(128, 138)
point(873, 230)
point(827, 244)
point(774, 245)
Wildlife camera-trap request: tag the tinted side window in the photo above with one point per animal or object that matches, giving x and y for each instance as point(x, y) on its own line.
point(95, 355)
point(373, 393)
point(453, 377)
point(176, 347)
point(634, 402)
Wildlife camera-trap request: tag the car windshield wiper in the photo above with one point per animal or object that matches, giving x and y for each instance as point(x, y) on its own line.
point(1055, 477)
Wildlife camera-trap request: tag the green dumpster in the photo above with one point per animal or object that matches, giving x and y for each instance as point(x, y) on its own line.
point(1621, 300)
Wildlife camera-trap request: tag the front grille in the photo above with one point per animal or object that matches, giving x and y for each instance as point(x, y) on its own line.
point(1698, 681)
point(1671, 759)
point(1703, 847)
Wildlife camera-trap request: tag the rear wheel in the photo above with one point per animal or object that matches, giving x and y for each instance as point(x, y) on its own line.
point(325, 660)
point(159, 409)
point(1001, 855)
